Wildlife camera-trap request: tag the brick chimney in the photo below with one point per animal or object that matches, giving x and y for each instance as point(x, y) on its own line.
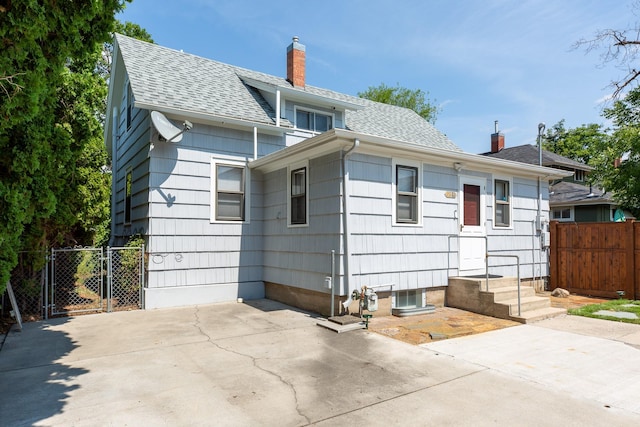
point(497, 140)
point(296, 63)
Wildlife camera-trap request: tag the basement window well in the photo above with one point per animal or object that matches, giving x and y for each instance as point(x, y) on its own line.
point(408, 299)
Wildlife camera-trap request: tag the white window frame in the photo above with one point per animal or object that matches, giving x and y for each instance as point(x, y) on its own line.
point(394, 192)
point(291, 169)
point(473, 230)
point(579, 175)
point(562, 208)
point(311, 110)
point(509, 182)
point(403, 294)
point(214, 191)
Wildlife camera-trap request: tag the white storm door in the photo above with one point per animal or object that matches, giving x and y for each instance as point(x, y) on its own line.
point(472, 249)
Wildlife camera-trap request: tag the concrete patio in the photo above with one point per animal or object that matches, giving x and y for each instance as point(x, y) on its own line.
point(264, 363)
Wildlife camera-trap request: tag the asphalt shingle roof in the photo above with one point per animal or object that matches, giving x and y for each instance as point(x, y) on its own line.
point(529, 154)
point(160, 76)
point(570, 193)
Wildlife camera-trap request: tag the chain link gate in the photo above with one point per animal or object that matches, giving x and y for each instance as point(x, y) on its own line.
point(78, 280)
point(125, 276)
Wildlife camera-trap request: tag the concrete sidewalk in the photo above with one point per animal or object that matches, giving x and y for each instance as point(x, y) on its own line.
point(263, 363)
point(594, 359)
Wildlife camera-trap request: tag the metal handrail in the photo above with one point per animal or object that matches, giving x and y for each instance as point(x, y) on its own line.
point(487, 255)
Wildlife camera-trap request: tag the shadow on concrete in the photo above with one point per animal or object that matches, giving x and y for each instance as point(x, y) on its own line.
point(268, 305)
point(36, 383)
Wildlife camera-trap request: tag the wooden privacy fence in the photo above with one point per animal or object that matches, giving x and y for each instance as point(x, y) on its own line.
point(596, 258)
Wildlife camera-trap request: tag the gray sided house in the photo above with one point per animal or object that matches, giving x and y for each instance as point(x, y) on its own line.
point(276, 174)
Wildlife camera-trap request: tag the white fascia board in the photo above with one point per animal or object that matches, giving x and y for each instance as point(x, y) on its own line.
point(115, 84)
point(583, 202)
point(319, 145)
point(212, 119)
point(302, 96)
point(468, 161)
point(336, 139)
point(583, 167)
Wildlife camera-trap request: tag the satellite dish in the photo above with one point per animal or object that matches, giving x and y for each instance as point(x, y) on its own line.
point(166, 129)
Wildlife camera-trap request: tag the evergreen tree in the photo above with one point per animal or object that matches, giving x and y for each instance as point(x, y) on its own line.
point(45, 118)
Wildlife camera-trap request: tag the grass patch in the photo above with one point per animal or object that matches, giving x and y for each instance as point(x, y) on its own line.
point(619, 305)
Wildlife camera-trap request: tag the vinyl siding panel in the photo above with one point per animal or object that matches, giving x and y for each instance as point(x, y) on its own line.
point(131, 148)
point(422, 256)
point(300, 256)
point(171, 207)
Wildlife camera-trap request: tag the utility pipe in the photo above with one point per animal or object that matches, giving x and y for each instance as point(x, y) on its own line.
point(541, 127)
point(533, 249)
point(345, 213)
point(333, 279)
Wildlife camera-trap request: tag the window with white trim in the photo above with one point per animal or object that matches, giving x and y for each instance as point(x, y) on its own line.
point(313, 120)
point(298, 194)
point(407, 194)
point(562, 214)
point(408, 299)
point(229, 191)
point(579, 175)
point(502, 203)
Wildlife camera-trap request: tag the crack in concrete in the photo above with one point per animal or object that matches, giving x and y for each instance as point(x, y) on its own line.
point(254, 361)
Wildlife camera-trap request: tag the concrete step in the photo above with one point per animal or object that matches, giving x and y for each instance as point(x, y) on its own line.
point(511, 292)
point(540, 314)
point(526, 304)
point(337, 327)
point(481, 282)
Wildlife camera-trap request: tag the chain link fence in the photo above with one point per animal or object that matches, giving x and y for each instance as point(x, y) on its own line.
point(29, 281)
point(76, 280)
point(125, 276)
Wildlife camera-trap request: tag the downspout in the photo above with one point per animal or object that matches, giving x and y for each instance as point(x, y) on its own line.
point(541, 127)
point(114, 172)
point(278, 108)
point(255, 143)
point(345, 214)
point(533, 250)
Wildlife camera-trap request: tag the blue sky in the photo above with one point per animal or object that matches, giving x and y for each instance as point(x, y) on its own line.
point(480, 61)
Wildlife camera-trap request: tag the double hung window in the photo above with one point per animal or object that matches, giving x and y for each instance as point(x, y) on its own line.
point(299, 196)
point(229, 192)
point(502, 203)
point(406, 194)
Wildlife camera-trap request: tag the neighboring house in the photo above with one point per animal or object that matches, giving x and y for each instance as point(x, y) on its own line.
point(276, 174)
point(571, 198)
